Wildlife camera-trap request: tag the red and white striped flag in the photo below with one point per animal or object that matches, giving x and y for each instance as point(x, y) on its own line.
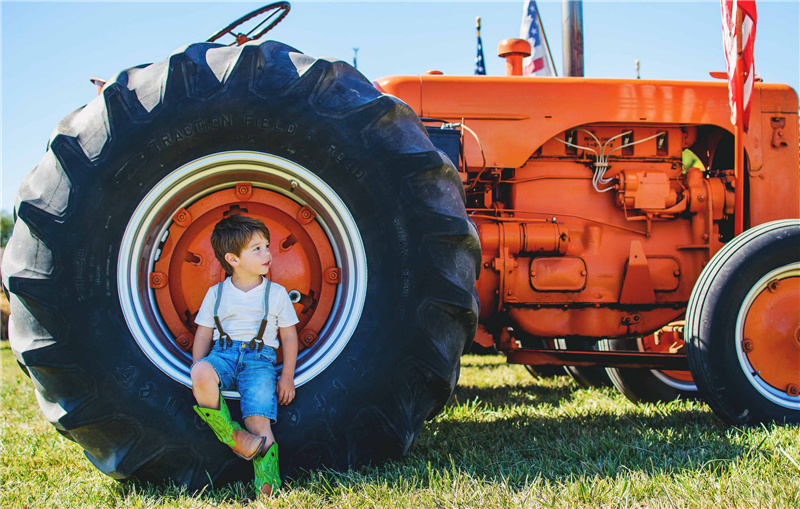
point(747, 66)
point(531, 30)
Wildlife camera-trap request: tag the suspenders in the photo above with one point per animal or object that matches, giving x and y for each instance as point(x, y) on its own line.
point(224, 339)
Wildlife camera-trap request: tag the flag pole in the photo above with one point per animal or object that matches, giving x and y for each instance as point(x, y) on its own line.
point(738, 164)
point(546, 44)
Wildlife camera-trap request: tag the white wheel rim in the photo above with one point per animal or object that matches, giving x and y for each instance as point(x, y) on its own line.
point(771, 393)
point(674, 383)
point(206, 175)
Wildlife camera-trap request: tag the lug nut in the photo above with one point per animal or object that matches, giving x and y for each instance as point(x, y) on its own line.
point(747, 345)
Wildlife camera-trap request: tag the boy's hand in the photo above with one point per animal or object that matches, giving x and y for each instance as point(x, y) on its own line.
point(285, 390)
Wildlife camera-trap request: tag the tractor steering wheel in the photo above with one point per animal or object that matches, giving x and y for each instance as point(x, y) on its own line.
point(279, 9)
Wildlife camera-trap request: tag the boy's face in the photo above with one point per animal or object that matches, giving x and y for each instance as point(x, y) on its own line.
point(254, 260)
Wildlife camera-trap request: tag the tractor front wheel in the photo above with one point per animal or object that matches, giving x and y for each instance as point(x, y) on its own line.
point(743, 327)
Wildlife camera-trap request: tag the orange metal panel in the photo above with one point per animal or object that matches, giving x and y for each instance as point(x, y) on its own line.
point(535, 188)
point(499, 109)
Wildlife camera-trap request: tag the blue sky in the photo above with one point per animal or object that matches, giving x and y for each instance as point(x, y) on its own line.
point(51, 49)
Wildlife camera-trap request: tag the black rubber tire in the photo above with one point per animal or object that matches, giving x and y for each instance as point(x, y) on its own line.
point(642, 385)
point(711, 316)
point(585, 376)
point(539, 371)
point(93, 381)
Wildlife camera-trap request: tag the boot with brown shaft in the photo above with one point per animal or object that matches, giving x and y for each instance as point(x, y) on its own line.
point(243, 443)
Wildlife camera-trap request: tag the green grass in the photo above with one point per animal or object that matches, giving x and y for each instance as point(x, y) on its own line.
point(504, 440)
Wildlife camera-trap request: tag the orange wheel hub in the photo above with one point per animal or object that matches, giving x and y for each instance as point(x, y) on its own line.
point(771, 335)
point(303, 261)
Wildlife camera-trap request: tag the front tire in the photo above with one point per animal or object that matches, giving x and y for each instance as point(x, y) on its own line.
point(95, 215)
point(743, 327)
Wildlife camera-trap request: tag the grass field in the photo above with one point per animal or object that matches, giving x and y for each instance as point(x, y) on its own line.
point(504, 440)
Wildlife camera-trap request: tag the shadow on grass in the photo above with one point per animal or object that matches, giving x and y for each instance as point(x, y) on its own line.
point(514, 452)
point(508, 436)
point(137, 493)
point(510, 452)
point(452, 459)
point(513, 394)
point(563, 448)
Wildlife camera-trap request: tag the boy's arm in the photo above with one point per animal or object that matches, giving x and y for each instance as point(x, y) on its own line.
point(202, 342)
point(285, 388)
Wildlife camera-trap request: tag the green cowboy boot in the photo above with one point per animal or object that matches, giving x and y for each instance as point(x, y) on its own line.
point(244, 444)
point(267, 473)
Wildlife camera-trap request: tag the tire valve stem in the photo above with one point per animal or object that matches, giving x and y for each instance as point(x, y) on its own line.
point(294, 185)
point(756, 373)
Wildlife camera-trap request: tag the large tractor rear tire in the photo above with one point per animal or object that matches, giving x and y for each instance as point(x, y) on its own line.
point(120, 178)
point(743, 327)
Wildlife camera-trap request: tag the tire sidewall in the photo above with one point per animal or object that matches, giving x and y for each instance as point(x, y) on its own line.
point(713, 352)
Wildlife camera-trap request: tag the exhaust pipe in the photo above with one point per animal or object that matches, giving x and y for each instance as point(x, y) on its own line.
point(572, 36)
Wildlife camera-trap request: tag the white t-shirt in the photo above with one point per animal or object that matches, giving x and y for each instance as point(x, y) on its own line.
point(241, 312)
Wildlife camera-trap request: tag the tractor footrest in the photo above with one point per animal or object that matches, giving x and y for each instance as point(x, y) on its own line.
point(535, 357)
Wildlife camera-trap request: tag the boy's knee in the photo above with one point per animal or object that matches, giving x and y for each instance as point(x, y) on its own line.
point(204, 373)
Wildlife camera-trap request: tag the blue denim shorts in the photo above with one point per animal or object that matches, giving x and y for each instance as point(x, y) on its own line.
point(250, 372)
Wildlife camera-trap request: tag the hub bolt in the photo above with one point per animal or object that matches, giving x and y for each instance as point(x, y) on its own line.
point(747, 345)
point(793, 390)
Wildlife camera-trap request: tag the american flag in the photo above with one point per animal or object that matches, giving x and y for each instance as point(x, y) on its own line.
point(480, 65)
point(747, 66)
point(531, 30)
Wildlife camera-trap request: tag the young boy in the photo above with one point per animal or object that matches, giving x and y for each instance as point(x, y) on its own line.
point(234, 347)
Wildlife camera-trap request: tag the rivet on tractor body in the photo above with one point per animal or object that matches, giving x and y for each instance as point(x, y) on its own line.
point(332, 275)
point(244, 191)
point(182, 218)
point(305, 215)
point(158, 280)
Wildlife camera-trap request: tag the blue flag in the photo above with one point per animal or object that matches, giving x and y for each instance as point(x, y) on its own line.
point(480, 65)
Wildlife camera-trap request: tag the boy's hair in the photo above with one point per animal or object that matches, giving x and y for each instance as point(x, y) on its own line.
point(232, 234)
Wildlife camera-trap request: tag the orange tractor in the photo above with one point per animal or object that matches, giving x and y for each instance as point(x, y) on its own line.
point(566, 199)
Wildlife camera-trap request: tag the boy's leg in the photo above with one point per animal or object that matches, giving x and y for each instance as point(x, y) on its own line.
point(211, 408)
point(265, 464)
point(256, 383)
point(260, 425)
point(205, 385)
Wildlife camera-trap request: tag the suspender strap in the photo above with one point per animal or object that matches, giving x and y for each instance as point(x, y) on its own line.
point(222, 336)
point(263, 327)
point(258, 340)
point(216, 309)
